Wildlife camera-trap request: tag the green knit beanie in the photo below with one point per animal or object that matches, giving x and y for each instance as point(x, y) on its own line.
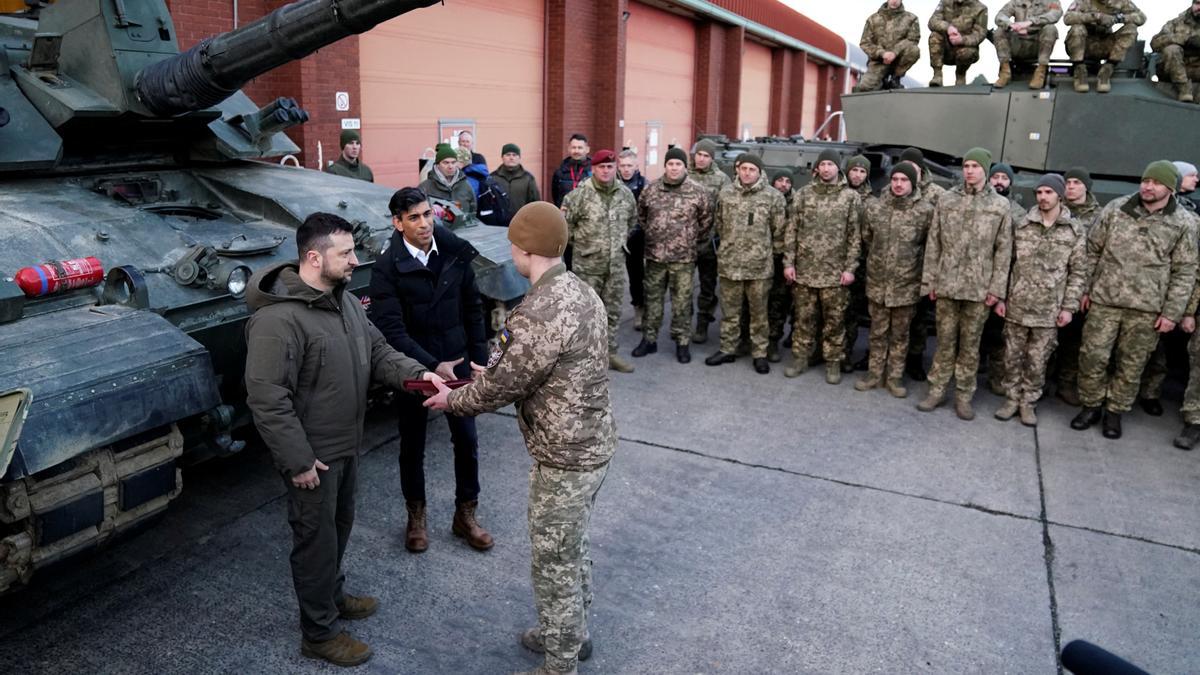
point(510, 147)
point(1080, 174)
point(1164, 172)
point(859, 161)
point(706, 146)
point(675, 153)
point(980, 155)
point(444, 151)
point(776, 174)
point(755, 160)
point(348, 136)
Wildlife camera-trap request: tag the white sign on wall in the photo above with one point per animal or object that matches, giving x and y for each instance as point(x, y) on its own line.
point(351, 123)
point(341, 101)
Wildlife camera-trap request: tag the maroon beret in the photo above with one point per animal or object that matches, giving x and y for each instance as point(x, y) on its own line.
point(604, 157)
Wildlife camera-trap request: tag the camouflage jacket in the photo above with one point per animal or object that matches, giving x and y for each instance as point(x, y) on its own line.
point(1017, 209)
point(676, 218)
point(894, 230)
point(1049, 269)
point(599, 220)
point(970, 245)
point(1086, 212)
point(1097, 15)
point(552, 363)
point(747, 217)
point(1178, 31)
point(713, 178)
point(1038, 12)
point(1143, 261)
point(823, 237)
point(929, 189)
point(968, 16)
point(778, 236)
point(887, 29)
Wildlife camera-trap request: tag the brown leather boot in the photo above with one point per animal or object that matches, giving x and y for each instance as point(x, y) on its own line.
point(355, 607)
point(1104, 78)
point(1185, 92)
point(468, 528)
point(1005, 75)
point(415, 538)
point(962, 407)
point(1039, 77)
point(342, 650)
point(1081, 78)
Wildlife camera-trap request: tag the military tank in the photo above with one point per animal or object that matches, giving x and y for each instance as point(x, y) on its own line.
point(1113, 135)
point(136, 199)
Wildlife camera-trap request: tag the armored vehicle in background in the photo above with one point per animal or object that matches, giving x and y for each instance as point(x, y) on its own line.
point(132, 214)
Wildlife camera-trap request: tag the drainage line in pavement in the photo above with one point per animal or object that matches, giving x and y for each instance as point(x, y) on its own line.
point(1048, 545)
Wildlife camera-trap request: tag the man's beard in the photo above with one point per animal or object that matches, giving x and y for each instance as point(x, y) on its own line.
point(330, 278)
point(1003, 191)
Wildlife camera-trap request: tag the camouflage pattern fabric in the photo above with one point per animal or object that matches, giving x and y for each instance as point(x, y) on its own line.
point(560, 509)
point(1180, 62)
point(706, 252)
point(1026, 352)
point(959, 326)
point(610, 287)
point(1155, 373)
point(1049, 270)
point(599, 220)
point(888, 340)
point(970, 18)
point(823, 239)
point(677, 278)
point(677, 218)
point(1123, 337)
point(1091, 36)
point(1039, 41)
point(830, 305)
point(969, 248)
point(1086, 212)
point(779, 301)
point(895, 230)
point(1066, 357)
point(733, 293)
point(748, 216)
point(1191, 396)
point(552, 362)
point(889, 30)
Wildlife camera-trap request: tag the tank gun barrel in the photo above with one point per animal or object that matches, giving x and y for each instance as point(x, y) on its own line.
point(213, 70)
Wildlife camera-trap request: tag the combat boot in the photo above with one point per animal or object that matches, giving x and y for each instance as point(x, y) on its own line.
point(1151, 406)
point(644, 347)
point(1005, 75)
point(1081, 81)
point(701, 334)
point(619, 364)
point(773, 352)
point(1039, 77)
point(1104, 78)
point(1187, 439)
point(342, 650)
point(1028, 415)
point(833, 372)
point(466, 527)
point(719, 357)
point(1185, 92)
point(1110, 427)
point(936, 80)
point(914, 368)
point(683, 354)
point(415, 538)
point(1069, 395)
point(1086, 418)
point(355, 607)
point(1006, 411)
point(895, 388)
point(796, 369)
point(868, 382)
point(932, 400)
point(532, 640)
point(960, 75)
point(962, 407)
point(761, 366)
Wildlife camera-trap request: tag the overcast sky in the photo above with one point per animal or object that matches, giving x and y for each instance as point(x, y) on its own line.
point(846, 18)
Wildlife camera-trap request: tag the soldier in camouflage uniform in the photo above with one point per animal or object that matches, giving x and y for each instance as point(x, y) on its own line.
point(551, 362)
point(1190, 435)
point(705, 172)
point(858, 178)
point(1049, 271)
point(918, 334)
point(1142, 257)
point(1091, 37)
point(966, 271)
point(991, 344)
point(957, 28)
point(820, 256)
point(676, 213)
point(1179, 44)
point(892, 40)
point(894, 229)
point(749, 214)
point(779, 299)
point(600, 214)
point(1025, 31)
point(1083, 207)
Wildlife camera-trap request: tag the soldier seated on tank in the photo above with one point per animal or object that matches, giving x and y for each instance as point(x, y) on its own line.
point(1091, 36)
point(892, 40)
point(349, 164)
point(957, 28)
point(1178, 44)
point(1024, 32)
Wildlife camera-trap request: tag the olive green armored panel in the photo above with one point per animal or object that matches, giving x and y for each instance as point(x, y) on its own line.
point(947, 120)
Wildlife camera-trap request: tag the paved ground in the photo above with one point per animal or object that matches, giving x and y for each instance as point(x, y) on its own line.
point(749, 524)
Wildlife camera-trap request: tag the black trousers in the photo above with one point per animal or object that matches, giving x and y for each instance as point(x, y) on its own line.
point(635, 263)
point(414, 418)
point(321, 521)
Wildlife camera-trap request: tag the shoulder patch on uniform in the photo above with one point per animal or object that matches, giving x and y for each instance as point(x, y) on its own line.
point(503, 341)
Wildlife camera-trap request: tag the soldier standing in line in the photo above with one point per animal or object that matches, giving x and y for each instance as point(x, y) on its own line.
point(1142, 256)
point(957, 28)
point(1091, 37)
point(966, 272)
point(1179, 44)
point(1190, 435)
point(1025, 31)
point(991, 344)
point(779, 300)
point(349, 163)
point(895, 227)
point(918, 334)
point(600, 215)
point(820, 257)
point(676, 213)
point(858, 174)
point(1049, 271)
point(552, 363)
point(635, 247)
point(892, 40)
point(1083, 207)
point(749, 214)
point(1188, 180)
point(705, 172)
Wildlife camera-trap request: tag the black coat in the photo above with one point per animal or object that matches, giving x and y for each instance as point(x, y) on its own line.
point(568, 176)
point(434, 313)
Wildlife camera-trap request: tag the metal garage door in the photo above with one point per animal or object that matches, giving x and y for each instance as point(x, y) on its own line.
point(479, 64)
point(812, 92)
point(755, 101)
point(660, 60)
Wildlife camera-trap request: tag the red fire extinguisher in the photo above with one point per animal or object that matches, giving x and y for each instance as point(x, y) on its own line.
point(59, 276)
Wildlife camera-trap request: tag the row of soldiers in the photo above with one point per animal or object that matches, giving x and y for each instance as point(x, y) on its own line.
point(1129, 268)
point(1025, 32)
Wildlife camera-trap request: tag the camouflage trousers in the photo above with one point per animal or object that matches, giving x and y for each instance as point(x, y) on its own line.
point(1191, 396)
point(830, 305)
point(779, 302)
point(1125, 337)
point(1067, 357)
point(706, 272)
point(918, 335)
point(1012, 46)
point(942, 53)
point(1026, 353)
point(677, 279)
point(1082, 44)
point(907, 54)
point(560, 509)
point(992, 345)
point(1175, 65)
point(754, 292)
point(959, 327)
point(1155, 372)
point(610, 286)
point(888, 342)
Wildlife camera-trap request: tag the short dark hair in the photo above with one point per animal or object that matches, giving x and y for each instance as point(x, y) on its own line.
point(578, 137)
point(405, 199)
point(313, 234)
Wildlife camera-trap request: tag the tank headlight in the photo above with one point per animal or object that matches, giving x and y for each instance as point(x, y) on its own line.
point(232, 277)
